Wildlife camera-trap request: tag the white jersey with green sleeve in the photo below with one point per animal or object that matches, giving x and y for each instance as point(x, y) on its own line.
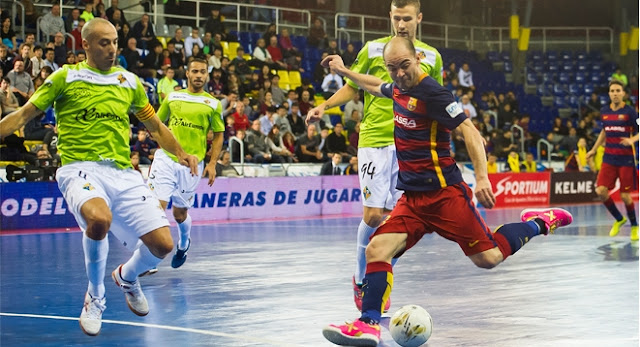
point(92, 111)
point(376, 127)
point(190, 116)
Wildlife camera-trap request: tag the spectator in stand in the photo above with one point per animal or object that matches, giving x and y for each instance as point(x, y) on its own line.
point(52, 22)
point(135, 161)
point(276, 92)
point(617, 75)
point(467, 107)
point(167, 84)
point(132, 56)
point(333, 49)
point(196, 53)
point(145, 146)
point(178, 42)
point(240, 119)
point(352, 169)
point(353, 139)
point(271, 31)
point(217, 87)
point(229, 129)
point(510, 98)
point(306, 86)
point(281, 119)
point(266, 102)
point(8, 35)
point(254, 84)
point(577, 161)
point(71, 59)
point(87, 14)
point(77, 35)
point(224, 167)
point(295, 120)
point(506, 116)
point(234, 85)
point(320, 72)
point(336, 142)
point(502, 144)
point(217, 41)
point(257, 145)
point(308, 143)
point(214, 24)
point(124, 34)
point(45, 71)
point(51, 143)
point(332, 168)
point(276, 145)
point(191, 41)
point(492, 163)
point(81, 56)
point(594, 102)
point(265, 75)
point(292, 96)
point(209, 46)
point(49, 59)
point(331, 84)
point(451, 74)
point(465, 78)
point(306, 103)
point(117, 21)
point(112, 16)
point(275, 53)
point(35, 130)
point(559, 127)
point(261, 56)
point(294, 62)
point(59, 49)
point(215, 60)
point(177, 60)
point(72, 20)
point(8, 100)
point(317, 36)
point(350, 55)
point(529, 164)
point(21, 82)
point(289, 142)
point(354, 104)
point(242, 66)
point(143, 32)
point(267, 119)
point(24, 55)
point(235, 147)
point(287, 47)
point(569, 143)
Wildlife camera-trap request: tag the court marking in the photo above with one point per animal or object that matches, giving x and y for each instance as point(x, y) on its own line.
point(155, 326)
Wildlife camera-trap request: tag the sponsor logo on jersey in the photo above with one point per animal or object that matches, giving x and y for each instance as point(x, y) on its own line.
point(617, 128)
point(453, 109)
point(182, 122)
point(91, 115)
point(406, 122)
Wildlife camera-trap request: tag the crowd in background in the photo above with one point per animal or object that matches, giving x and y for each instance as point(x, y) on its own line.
point(264, 122)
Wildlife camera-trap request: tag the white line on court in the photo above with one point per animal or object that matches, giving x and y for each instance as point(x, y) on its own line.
point(156, 326)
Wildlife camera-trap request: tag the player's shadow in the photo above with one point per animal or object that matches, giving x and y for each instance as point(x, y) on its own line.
point(619, 251)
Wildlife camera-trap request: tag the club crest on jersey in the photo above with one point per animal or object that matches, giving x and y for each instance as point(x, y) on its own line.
point(206, 101)
point(121, 78)
point(421, 55)
point(88, 186)
point(366, 193)
point(622, 116)
point(411, 105)
point(405, 122)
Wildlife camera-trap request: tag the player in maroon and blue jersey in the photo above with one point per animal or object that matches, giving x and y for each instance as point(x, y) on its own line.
point(619, 135)
point(435, 196)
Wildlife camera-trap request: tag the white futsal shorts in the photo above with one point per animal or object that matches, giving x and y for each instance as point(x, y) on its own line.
point(170, 180)
point(379, 176)
point(135, 211)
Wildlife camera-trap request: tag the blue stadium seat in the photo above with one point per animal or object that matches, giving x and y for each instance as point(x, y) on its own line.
point(604, 99)
point(505, 56)
point(567, 66)
point(582, 66)
point(588, 89)
point(564, 77)
point(558, 102)
point(573, 101)
point(574, 89)
point(553, 67)
point(596, 67)
point(633, 99)
point(580, 77)
point(566, 55)
point(508, 67)
point(541, 90)
point(559, 90)
point(596, 79)
point(548, 77)
point(552, 55)
point(493, 56)
point(299, 42)
point(244, 37)
point(581, 56)
point(536, 56)
point(531, 78)
point(595, 55)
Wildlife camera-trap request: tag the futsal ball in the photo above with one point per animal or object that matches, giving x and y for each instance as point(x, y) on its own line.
point(411, 326)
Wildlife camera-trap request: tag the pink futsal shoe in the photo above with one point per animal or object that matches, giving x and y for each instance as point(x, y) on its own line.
point(553, 217)
point(357, 296)
point(357, 333)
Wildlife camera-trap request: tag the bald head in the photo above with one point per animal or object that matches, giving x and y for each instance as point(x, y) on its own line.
point(96, 25)
point(399, 43)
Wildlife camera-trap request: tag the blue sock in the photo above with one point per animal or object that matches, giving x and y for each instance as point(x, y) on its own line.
point(511, 237)
point(611, 206)
point(376, 287)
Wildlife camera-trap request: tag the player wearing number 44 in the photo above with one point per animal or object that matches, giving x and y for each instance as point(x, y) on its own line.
point(435, 197)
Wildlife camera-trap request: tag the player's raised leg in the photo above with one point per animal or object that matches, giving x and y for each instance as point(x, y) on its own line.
point(182, 217)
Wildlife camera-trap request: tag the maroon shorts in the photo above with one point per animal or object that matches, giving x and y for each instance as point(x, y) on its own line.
point(450, 212)
point(609, 173)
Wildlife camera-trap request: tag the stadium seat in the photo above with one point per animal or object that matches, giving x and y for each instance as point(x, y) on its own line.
point(553, 67)
point(508, 67)
point(295, 79)
point(582, 66)
point(566, 55)
point(604, 99)
point(581, 56)
point(536, 56)
point(163, 41)
point(548, 77)
point(505, 56)
point(564, 77)
point(492, 56)
point(538, 66)
point(552, 55)
point(225, 49)
point(596, 79)
point(574, 89)
point(233, 47)
point(596, 67)
point(531, 78)
point(580, 77)
point(588, 89)
point(573, 101)
point(567, 66)
point(558, 102)
point(559, 90)
point(284, 77)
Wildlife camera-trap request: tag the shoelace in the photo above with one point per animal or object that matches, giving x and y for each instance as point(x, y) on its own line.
point(95, 308)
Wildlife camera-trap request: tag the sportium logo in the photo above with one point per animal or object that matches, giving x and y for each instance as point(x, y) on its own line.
point(507, 186)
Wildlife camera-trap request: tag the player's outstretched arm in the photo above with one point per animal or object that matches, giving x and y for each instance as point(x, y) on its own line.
point(339, 98)
point(367, 82)
point(475, 147)
point(168, 142)
point(19, 118)
point(216, 147)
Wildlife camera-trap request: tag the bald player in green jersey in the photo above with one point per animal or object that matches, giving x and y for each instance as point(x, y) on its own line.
point(92, 101)
point(378, 171)
point(190, 113)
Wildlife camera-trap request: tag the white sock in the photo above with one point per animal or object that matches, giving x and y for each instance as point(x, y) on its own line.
point(185, 232)
point(95, 260)
point(141, 261)
point(364, 232)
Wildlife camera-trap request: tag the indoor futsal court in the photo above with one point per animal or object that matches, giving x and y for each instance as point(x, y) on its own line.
point(279, 282)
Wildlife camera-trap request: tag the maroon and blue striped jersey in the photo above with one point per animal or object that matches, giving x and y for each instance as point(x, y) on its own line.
point(617, 125)
point(424, 117)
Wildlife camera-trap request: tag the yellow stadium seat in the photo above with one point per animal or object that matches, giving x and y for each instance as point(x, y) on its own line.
point(225, 48)
point(233, 48)
point(284, 77)
point(247, 56)
point(295, 78)
point(163, 41)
